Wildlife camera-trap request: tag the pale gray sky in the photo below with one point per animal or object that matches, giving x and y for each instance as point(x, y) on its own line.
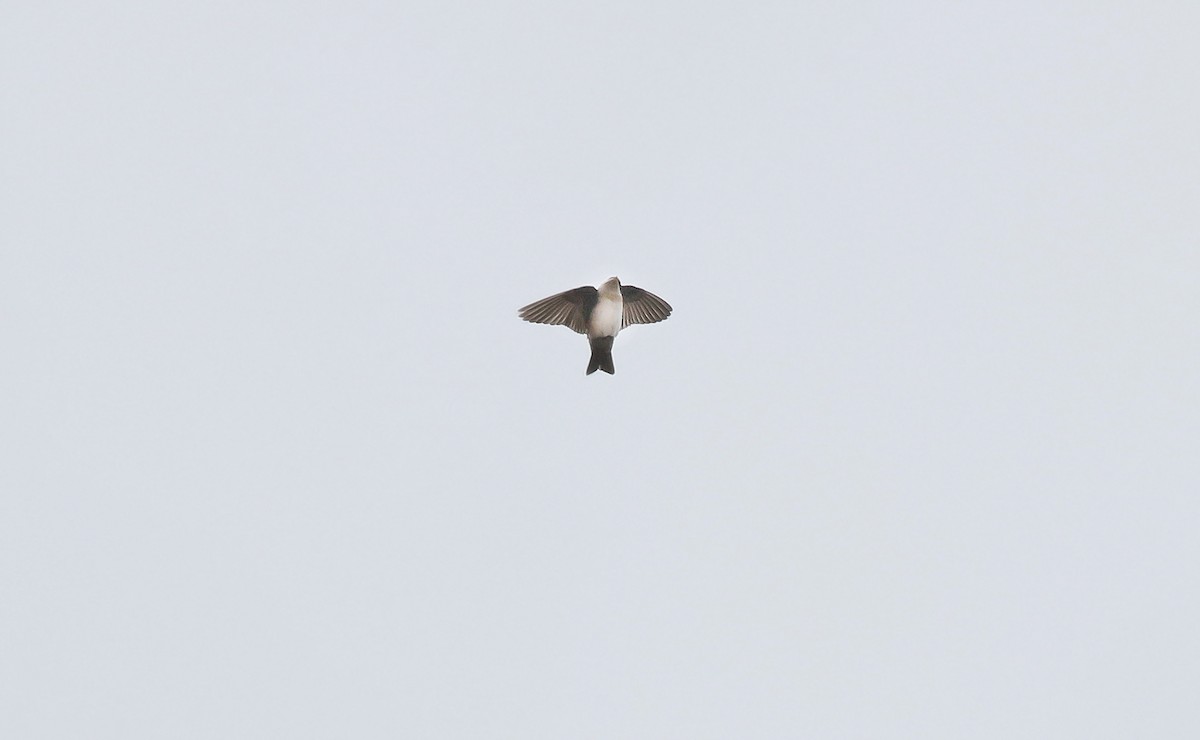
point(915, 457)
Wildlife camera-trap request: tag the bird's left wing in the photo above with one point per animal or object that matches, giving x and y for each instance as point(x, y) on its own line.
point(570, 308)
point(642, 307)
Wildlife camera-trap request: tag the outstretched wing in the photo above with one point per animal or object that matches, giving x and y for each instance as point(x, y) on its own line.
point(570, 309)
point(642, 307)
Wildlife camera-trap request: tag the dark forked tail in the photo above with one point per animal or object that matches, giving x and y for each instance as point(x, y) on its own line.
point(601, 355)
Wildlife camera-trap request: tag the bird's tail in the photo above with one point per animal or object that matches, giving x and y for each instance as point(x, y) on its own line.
point(601, 355)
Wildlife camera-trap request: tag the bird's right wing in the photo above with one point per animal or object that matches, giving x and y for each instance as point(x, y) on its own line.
point(642, 307)
point(570, 309)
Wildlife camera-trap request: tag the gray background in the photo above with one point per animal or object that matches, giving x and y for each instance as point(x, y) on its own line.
point(915, 457)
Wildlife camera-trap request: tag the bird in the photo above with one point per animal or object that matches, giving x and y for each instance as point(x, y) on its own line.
point(600, 313)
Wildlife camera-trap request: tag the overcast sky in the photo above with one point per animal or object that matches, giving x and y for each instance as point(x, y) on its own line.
point(915, 457)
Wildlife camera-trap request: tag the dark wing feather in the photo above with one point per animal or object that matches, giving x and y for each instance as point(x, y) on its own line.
point(642, 307)
point(570, 309)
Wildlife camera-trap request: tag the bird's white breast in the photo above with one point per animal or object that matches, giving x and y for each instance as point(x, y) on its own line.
point(606, 317)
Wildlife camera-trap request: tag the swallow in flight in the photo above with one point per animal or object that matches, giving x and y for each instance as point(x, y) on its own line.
point(599, 313)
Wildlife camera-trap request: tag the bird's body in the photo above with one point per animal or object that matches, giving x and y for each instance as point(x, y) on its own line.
point(600, 314)
point(605, 320)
